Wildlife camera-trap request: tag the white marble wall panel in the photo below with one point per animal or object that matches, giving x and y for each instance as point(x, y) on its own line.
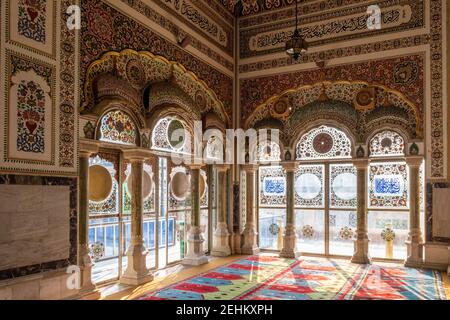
point(34, 225)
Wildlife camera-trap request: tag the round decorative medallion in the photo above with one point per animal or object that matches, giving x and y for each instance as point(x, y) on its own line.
point(176, 134)
point(386, 143)
point(135, 72)
point(179, 186)
point(273, 229)
point(307, 232)
point(388, 234)
point(346, 233)
point(200, 99)
point(97, 251)
point(100, 183)
point(147, 185)
point(323, 143)
point(365, 99)
point(280, 109)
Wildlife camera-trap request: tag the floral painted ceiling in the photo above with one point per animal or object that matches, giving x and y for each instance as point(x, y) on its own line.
point(247, 7)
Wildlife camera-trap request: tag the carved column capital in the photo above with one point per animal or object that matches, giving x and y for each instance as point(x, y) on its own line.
point(290, 166)
point(88, 147)
point(250, 167)
point(414, 161)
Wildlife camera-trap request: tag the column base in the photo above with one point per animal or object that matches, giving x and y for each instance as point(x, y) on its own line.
point(136, 272)
point(250, 245)
point(289, 243)
point(221, 247)
point(361, 255)
point(195, 255)
point(93, 295)
point(415, 254)
point(289, 254)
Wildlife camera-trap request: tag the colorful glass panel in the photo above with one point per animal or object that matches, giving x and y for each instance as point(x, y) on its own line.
point(387, 143)
point(324, 143)
point(268, 151)
point(272, 186)
point(309, 186)
point(117, 127)
point(343, 185)
point(388, 185)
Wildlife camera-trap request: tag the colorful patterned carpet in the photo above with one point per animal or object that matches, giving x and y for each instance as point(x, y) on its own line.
point(272, 278)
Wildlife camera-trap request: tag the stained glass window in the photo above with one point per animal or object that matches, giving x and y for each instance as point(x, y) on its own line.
point(387, 143)
point(171, 135)
point(109, 205)
point(117, 127)
point(148, 190)
point(388, 185)
point(272, 186)
point(343, 186)
point(324, 142)
point(309, 186)
point(268, 151)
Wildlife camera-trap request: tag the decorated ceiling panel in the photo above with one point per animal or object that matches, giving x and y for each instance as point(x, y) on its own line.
point(324, 27)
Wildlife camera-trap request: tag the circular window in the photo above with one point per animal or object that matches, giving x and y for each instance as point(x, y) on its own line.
point(176, 134)
point(147, 185)
point(179, 186)
point(308, 186)
point(344, 186)
point(100, 183)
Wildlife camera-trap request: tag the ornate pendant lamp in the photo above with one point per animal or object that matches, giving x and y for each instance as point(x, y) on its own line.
point(297, 45)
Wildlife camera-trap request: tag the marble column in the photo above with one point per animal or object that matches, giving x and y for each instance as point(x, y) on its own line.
point(84, 259)
point(289, 238)
point(136, 272)
point(221, 243)
point(361, 254)
point(250, 244)
point(414, 243)
point(195, 254)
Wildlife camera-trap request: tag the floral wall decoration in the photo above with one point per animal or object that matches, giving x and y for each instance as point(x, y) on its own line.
point(32, 19)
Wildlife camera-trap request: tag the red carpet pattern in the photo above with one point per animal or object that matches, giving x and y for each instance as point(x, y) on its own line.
point(272, 278)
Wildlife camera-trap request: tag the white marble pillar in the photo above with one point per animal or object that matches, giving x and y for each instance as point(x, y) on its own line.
point(136, 272)
point(84, 260)
point(361, 254)
point(289, 238)
point(221, 242)
point(195, 254)
point(414, 243)
point(250, 244)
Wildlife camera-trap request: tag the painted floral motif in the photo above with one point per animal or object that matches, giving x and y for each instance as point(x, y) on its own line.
point(32, 19)
point(118, 127)
point(308, 232)
point(30, 117)
point(346, 233)
point(388, 234)
point(97, 251)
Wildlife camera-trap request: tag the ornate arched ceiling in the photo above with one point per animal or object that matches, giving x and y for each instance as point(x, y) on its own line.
point(138, 70)
point(357, 105)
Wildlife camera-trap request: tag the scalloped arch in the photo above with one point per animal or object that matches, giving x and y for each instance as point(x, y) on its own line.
point(143, 68)
point(344, 91)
